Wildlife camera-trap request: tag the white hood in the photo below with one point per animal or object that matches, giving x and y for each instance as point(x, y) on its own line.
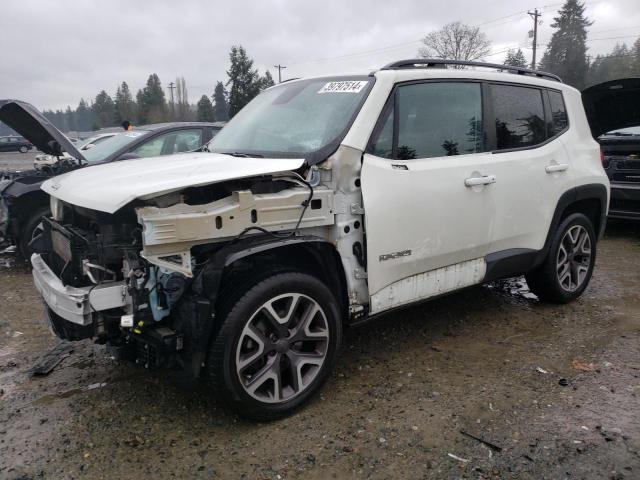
point(109, 187)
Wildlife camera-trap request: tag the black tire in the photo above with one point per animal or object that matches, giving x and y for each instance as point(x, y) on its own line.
point(223, 375)
point(544, 281)
point(24, 149)
point(28, 230)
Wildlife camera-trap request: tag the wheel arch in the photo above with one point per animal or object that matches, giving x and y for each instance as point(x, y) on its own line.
point(233, 267)
point(590, 200)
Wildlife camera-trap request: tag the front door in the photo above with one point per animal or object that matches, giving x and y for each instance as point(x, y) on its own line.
point(428, 193)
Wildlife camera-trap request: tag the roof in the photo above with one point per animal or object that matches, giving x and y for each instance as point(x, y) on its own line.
point(170, 125)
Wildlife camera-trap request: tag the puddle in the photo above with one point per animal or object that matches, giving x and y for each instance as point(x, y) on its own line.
point(515, 288)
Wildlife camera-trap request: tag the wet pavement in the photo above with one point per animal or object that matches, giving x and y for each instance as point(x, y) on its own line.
point(540, 391)
point(16, 161)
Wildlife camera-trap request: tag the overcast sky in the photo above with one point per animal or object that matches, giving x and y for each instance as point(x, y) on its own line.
point(55, 52)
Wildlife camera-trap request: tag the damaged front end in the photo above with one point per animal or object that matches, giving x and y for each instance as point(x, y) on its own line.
point(143, 280)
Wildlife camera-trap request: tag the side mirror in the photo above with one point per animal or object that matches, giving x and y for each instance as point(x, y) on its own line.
point(128, 156)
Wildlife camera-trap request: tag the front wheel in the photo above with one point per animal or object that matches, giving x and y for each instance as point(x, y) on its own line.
point(31, 229)
point(276, 347)
point(567, 269)
point(23, 149)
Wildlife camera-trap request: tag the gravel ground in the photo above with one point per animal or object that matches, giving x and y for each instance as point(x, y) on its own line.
point(553, 390)
point(16, 161)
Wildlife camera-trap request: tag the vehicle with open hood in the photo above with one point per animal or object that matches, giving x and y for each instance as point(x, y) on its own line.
point(23, 203)
point(47, 162)
point(323, 203)
point(613, 110)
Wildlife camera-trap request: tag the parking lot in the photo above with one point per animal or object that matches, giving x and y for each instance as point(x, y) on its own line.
point(547, 392)
point(17, 161)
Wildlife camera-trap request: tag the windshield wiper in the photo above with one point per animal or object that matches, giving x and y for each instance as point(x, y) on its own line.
point(244, 155)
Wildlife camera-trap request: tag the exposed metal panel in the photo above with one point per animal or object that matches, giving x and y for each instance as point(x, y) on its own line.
point(429, 284)
point(169, 233)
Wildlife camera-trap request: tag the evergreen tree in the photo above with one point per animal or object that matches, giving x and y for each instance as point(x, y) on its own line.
point(152, 106)
point(70, 117)
point(125, 107)
point(84, 116)
point(266, 81)
point(635, 59)
point(515, 58)
point(205, 110)
point(243, 78)
point(104, 109)
point(221, 109)
point(566, 53)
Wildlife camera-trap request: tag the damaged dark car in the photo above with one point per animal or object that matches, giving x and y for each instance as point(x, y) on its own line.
point(23, 204)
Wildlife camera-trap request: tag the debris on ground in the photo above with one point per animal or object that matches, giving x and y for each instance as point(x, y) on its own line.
point(582, 366)
point(489, 444)
point(460, 459)
point(53, 357)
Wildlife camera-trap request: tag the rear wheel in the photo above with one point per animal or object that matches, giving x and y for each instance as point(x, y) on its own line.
point(276, 347)
point(566, 271)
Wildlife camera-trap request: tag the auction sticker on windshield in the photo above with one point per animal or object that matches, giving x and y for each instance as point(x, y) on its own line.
point(343, 87)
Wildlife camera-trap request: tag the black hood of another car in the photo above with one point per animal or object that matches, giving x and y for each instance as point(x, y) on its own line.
point(612, 105)
point(25, 119)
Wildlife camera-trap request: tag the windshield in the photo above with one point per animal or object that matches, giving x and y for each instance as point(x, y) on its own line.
point(111, 145)
point(305, 118)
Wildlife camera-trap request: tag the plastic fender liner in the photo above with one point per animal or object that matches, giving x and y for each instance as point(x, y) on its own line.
point(196, 315)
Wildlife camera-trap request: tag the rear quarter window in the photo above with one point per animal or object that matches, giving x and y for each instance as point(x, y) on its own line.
point(559, 119)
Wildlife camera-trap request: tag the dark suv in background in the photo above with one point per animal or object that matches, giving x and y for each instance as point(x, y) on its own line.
point(613, 109)
point(14, 143)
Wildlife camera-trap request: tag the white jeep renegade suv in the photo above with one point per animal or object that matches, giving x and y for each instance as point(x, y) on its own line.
point(324, 202)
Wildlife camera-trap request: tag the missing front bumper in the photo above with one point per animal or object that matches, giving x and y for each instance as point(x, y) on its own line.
point(75, 304)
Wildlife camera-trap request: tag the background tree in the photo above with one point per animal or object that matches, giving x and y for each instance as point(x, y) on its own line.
point(182, 108)
point(221, 109)
point(566, 53)
point(104, 109)
point(205, 111)
point(456, 41)
point(84, 116)
point(515, 58)
point(266, 81)
point(152, 106)
point(244, 80)
point(125, 107)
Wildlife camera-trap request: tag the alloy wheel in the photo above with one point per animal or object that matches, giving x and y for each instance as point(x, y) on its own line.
point(282, 348)
point(574, 258)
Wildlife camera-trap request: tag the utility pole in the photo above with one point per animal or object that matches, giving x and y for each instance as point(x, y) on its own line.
point(171, 87)
point(535, 14)
point(280, 68)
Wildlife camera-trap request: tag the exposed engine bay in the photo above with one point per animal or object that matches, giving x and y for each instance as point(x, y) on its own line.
point(141, 274)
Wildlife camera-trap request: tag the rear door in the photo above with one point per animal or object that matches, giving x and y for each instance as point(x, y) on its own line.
point(529, 158)
point(428, 193)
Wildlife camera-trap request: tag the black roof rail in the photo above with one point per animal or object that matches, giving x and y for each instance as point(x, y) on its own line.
point(436, 62)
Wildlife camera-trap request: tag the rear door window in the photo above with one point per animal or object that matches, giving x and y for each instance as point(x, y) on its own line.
point(518, 116)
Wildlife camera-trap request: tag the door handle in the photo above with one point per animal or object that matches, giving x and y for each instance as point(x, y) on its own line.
point(556, 167)
point(484, 180)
